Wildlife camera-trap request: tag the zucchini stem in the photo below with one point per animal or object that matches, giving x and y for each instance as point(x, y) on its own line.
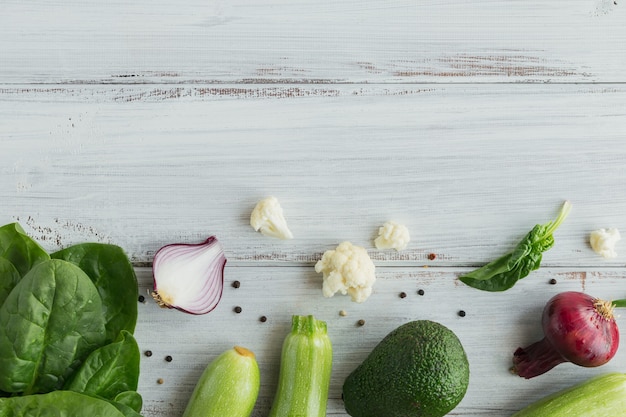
point(308, 325)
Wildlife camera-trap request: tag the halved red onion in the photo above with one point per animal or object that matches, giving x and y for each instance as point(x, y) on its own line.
point(189, 277)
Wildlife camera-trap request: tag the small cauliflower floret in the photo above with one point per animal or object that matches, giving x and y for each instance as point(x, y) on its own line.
point(347, 269)
point(603, 242)
point(392, 235)
point(267, 217)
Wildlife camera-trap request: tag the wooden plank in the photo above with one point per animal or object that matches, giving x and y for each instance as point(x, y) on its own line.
point(311, 42)
point(495, 324)
point(146, 123)
point(469, 169)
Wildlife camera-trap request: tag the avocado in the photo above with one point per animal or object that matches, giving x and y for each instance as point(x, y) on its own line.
point(420, 369)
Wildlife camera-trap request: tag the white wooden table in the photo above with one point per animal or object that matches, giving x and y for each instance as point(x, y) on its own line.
point(152, 122)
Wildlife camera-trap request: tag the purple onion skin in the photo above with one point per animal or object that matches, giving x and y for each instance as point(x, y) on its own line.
point(577, 328)
point(216, 296)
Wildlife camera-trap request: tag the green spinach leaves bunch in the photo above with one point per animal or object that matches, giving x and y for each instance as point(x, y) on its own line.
point(66, 330)
point(502, 273)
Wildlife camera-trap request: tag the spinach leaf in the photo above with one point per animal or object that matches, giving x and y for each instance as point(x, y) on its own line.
point(112, 273)
point(109, 370)
point(128, 402)
point(130, 399)
point(62, 404)
point(502, 273)
point(22, 251)
point(9, 276)
point(49, 324)
point(66, 321)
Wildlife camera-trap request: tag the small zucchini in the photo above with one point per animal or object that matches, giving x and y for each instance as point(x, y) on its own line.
point(228, 387)
point(306, 363)
point(600, 396)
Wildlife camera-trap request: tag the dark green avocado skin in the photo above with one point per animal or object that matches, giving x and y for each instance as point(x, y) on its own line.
point(420, 369)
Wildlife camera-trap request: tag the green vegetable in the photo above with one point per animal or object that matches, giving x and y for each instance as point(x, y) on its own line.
point(109, 370)
point(420, 369)
point(502, 273)
point(600, 396)
point(18, 254)
point(49, 323)
point(228, 387)
point(66, 323)
point(131, 399)
point(19, 249)
point(114, 277)
point(306, 364)
point(62, 404)
point(10, 277)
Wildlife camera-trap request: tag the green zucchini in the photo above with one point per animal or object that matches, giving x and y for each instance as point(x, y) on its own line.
point(600, 396)
point(305, 367)
point(228, 387)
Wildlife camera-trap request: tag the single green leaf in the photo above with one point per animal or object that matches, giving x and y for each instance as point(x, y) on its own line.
point(49, 324)
point(22, 251)
point(109, 370)
point(498, 269)
point(502, 273)
point(62, 404)
point(506, 280)
point(126, 410)
point(130, 399)
point(112, 273)
point(9, 276)
point(490, 270)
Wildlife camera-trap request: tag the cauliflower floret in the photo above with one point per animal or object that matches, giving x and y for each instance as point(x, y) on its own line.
point(347, 269)
point(392, 235)
point(267, 217)
point(603, 242)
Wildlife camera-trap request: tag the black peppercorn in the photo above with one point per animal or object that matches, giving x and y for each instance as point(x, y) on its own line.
point(420, 292)
point(402, 294)
point(148, 353)
point(141, 299)
point(461, 313)
point(237, 309)
point(553, 281)
point(236, 284)
point(168, 358)
point(262, 319)
point(361, 322)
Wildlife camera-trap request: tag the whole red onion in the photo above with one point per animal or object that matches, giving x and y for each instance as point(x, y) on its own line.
point(577, 328)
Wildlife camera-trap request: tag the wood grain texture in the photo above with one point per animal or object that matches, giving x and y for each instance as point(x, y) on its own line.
point(490, 331)
point(147, 123)
point(469, 169)
point(310, 42)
